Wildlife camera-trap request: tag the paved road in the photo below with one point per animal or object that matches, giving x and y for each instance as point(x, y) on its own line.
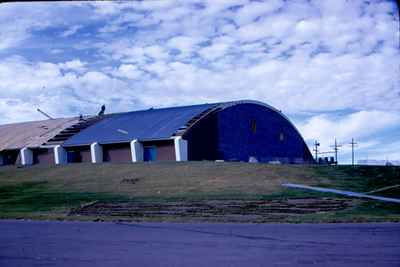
point(33, 243)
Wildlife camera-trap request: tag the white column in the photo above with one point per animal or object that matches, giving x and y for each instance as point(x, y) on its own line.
point(96, 152)
point(26, 156)
point(60, 155)
point(136, 151)
point(180, 149)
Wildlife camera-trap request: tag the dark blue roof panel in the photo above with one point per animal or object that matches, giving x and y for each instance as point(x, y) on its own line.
point(142, 125)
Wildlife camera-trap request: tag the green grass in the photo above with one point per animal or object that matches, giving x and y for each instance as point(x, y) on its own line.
point(361, 179)
point(51, 192)
point(36, 198)
point(363, 211)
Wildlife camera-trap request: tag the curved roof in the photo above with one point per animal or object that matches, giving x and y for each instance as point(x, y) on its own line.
point(232, 103)
point(151, 124)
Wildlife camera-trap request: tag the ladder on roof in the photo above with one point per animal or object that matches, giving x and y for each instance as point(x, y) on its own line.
point(194, 120)
point(62, 136)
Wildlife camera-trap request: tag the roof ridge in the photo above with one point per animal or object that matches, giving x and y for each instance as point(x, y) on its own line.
point(132, 111)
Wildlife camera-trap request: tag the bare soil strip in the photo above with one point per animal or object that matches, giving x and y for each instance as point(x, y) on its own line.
point(214, 210)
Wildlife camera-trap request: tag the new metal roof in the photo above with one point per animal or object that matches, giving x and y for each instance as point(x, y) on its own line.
point(32, 134)
point(150, 124)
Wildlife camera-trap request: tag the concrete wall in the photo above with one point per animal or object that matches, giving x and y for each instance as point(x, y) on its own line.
point(136, 151)
point(96, 153)
point(26, 156)
point(60, 155)
point(181, 149)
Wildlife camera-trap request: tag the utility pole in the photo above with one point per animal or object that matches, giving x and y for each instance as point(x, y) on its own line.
point(316, 145)
point(353, 144)
point(336, 149)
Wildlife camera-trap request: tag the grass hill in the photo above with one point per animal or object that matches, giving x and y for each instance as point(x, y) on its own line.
point(199, 191)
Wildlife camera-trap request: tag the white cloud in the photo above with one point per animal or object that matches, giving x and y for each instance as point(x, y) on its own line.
point(128, 71)
point(214, 51)
point(363, 126)
point(274, 26)
point(383, 151)
point(20, 22)
point(58, 90)
point(283, 52)
point(128, 19)
point(307, 29)
point(185, 44)
point(15, 28)
point(75, 65)
point(160, 68)
point(156, 52)
point(248, 13)
point(357, 125)
point(215, 7)
point(108, 8)
point(300, 56)
point(71, 31)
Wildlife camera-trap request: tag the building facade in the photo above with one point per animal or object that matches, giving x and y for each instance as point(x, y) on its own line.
point(231, 131)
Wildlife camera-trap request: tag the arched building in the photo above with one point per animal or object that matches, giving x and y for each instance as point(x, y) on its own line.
point(230, 131)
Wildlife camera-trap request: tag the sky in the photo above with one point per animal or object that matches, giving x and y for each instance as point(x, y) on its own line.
point(332, 66)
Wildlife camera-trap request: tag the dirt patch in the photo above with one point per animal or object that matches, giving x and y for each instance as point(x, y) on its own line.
point(216, 210)
point(130, 180)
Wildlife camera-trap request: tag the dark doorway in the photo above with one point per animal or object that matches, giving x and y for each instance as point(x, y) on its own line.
point(10, 157)
point(150, 153)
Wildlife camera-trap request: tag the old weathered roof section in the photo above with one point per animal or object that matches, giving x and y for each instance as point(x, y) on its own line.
point(32, 134)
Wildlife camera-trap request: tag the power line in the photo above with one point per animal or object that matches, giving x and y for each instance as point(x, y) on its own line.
point(316, 145)
point(336, 149)
point(353, 144)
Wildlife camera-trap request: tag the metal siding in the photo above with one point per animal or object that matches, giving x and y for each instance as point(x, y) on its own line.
point(86, 156)
point(237, 142)
point(165, 150)
point(118, 153)
point(146, 124)
point(43, 156)
point(82, 154)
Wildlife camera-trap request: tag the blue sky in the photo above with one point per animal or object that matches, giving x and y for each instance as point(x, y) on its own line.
point(332, 66)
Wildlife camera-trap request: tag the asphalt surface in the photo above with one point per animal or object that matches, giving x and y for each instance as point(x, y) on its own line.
point(40, 243)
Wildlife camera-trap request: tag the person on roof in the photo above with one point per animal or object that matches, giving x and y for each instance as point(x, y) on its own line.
point(103, 109)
